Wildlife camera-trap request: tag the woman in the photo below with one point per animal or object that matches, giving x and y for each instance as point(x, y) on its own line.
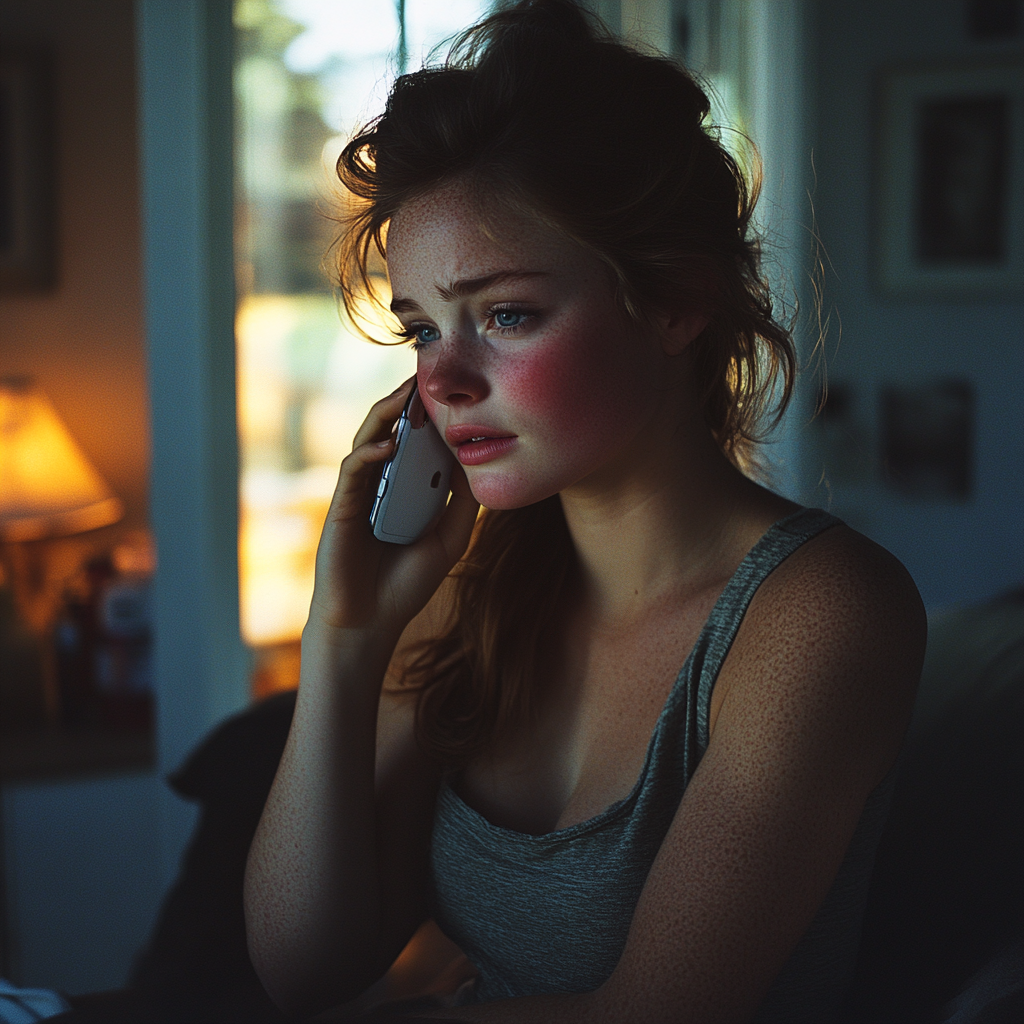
point(492, 727)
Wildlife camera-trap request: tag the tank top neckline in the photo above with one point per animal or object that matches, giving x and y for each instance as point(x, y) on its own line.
point(622, 806)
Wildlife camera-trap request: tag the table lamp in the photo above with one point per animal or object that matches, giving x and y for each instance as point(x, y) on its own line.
point(48, 488)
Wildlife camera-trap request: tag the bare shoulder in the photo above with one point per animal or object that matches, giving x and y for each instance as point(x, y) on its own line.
point(833, 640)
point(845, 583)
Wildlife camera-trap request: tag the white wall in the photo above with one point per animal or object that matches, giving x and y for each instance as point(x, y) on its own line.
point(957, 552)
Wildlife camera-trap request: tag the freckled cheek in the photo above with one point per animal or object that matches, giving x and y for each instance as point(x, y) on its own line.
point(559, 386)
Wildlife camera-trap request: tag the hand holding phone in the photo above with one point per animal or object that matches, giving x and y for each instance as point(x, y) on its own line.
point(414, 484)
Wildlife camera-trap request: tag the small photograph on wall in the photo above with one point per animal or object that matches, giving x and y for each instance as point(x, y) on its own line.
point(963, 158)
point(949, 182)
point(842, 447)
point(927, 436)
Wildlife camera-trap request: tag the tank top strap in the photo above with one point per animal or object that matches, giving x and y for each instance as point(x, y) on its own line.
point(682, 734)
point(777, 544)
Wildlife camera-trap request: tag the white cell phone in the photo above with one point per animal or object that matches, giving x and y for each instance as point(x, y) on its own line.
point(414, 484)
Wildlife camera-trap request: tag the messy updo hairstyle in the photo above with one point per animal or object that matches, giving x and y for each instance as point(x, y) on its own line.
point(543, 111)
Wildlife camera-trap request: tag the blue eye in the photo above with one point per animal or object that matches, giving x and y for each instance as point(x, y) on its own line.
point(419, 334)
point(508, 321)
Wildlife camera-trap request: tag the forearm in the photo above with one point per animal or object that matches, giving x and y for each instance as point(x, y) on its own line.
point(312, 887)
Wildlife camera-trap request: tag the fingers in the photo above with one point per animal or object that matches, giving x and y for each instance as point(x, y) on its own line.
point(380, 420)
point(358, 477)
point(373, 444)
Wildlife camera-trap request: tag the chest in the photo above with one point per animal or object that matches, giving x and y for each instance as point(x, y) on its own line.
point(599, 703)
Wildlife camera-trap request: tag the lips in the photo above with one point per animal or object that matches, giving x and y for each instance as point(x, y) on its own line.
point(476, 444)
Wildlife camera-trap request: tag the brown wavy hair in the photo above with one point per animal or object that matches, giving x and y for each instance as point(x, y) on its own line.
point(541, 108)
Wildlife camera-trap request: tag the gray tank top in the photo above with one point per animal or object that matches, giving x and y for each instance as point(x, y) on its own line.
point(550, 913)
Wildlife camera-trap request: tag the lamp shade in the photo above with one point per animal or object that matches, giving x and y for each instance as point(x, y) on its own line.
point(48, 487)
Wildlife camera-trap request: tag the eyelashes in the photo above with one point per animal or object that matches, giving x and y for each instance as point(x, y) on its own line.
point(413, 333)
point(496, 318)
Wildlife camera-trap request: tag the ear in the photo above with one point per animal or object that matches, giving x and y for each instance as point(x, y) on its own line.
point(679, 329)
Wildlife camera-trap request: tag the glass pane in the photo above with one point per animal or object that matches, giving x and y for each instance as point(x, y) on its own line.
point(713, 39)
point(307, 72)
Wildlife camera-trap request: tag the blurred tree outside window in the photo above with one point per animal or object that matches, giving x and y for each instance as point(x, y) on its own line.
point(307, 73)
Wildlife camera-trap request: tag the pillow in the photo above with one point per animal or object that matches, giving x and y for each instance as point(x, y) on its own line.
point(947, 892)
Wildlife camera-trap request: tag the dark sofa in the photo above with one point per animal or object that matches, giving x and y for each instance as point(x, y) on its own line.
point(943, 936)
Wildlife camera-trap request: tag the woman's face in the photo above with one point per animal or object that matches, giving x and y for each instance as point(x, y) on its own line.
point(525, 363)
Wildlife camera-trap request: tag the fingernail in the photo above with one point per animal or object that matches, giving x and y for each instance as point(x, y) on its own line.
point(383, 444)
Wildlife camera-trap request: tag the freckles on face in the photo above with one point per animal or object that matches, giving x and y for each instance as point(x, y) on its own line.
point(579, 401)
point(562, 384)
point(571, 387)
point(589, 380)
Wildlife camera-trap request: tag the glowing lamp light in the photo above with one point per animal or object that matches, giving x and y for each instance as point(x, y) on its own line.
point(48, 488)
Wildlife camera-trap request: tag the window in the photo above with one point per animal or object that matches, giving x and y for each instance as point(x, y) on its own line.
point(307, 73)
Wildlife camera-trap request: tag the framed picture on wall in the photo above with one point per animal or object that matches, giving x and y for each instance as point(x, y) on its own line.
point(27, 257)
point(949, 180)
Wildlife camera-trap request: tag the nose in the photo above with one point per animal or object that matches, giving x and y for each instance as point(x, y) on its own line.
point(452, 377)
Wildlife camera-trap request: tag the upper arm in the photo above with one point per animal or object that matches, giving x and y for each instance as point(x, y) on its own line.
point(815, 697)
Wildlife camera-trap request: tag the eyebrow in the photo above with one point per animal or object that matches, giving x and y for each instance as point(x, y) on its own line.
point(467, 286)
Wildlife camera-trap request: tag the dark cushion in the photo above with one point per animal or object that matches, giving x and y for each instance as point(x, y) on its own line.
point(234, 767)
point(196, 964)
point(947, 894)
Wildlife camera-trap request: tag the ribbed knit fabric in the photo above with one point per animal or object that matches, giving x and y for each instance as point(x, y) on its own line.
point(550, 913)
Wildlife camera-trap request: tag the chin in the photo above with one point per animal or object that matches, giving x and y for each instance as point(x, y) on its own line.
point(503, 492)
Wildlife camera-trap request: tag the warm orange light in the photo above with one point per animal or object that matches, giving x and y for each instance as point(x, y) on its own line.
point(283, 510)
point(48, 487)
